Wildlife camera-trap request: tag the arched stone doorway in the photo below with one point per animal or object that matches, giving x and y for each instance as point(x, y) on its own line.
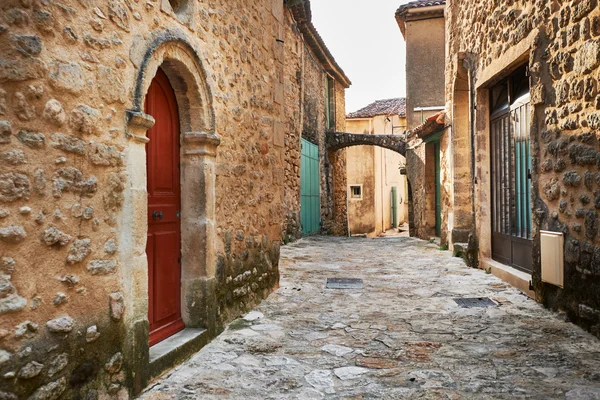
point(180, 68)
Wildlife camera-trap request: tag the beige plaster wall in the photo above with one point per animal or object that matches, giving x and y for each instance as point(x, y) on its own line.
point(361, 171)
point(425, 63)
point(425, 77)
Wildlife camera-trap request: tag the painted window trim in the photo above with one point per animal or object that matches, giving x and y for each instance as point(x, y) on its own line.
point(351, 196)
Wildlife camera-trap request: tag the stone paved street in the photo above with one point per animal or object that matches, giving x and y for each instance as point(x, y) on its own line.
point(401, 336)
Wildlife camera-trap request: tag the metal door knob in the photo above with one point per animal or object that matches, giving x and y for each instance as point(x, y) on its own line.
point(157, 214)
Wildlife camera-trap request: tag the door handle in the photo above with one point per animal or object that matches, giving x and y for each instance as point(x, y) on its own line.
point(157, 214)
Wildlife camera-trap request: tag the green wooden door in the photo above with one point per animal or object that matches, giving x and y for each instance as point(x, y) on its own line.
point(310, 193)
point(394, 207)
point(438, 190)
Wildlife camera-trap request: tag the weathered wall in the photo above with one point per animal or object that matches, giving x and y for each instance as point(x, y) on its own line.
point(387, 171)
point(560, 41)
point(378, 170)
point(68, 72)
point(425, 61)
point(360, 171)
point(293, 75)
point(337, 214)
point(332, 166)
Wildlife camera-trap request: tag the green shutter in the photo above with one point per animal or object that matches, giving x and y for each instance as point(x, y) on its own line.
point(438, 190)
point(394, 207)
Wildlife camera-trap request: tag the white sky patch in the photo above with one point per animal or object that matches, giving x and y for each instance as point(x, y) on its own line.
point(366, 42)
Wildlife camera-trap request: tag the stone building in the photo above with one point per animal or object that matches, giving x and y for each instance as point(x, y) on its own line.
point(149, 164)
point(317, 83)
point(522, 101)
point(377, 191)
point(423, 27)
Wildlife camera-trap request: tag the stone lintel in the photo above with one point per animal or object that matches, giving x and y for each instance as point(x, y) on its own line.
point(200, 144)
point(138, 124)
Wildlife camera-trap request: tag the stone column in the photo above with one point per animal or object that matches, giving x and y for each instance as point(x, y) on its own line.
point(132, 248)
point(198, 281)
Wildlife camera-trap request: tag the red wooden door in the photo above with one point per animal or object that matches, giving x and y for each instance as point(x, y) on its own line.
point(164, 233)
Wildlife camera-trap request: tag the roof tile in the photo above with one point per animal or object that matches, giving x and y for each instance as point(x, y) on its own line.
point(421, 3)
point(396, 106)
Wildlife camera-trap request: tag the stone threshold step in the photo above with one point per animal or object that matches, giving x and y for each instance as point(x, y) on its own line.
point(175, 349)
point(510, 275)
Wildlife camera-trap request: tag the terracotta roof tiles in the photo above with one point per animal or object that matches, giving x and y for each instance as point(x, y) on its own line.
point(396, 106)
point(421, 3)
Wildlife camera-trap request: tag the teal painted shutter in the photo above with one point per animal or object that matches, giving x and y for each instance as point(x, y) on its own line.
point(394, 207)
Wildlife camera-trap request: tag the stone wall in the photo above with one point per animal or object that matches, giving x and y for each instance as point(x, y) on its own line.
point(332, 165)
point(560, 41)
point(73, 298)
point(425, 52)
point(337, 209)
point(294, 50)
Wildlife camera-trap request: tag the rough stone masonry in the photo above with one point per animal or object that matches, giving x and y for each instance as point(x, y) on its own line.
point(559, 41)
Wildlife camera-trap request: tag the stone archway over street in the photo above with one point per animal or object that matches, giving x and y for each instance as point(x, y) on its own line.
point(340, 140)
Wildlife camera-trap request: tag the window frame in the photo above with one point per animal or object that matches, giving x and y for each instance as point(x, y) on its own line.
point(351, 191)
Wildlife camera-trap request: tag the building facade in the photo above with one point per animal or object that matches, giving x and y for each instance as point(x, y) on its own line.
point(377, 192)
point(522, 89)
point(316, 105)
point(422, 25)
point(149, 170)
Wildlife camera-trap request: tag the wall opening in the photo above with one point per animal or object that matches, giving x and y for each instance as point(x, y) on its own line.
point(511, 171)
point(356, 192)
point(178, 6)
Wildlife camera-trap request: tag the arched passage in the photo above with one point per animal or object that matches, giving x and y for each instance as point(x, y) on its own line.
point(339, 140)
point(172, 53)
point(375, 195)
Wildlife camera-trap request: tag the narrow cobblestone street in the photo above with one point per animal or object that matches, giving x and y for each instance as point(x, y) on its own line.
point(401, 336)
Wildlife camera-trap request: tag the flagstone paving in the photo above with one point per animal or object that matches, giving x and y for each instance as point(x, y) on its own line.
point(401, 336)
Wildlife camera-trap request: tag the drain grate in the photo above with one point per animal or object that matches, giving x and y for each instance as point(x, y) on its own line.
point(471, 302)
point(344, 283)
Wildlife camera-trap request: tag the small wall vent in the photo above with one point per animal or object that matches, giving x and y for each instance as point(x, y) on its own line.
point(552, 258)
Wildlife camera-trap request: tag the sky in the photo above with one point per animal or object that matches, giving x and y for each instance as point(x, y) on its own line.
point(366, 42)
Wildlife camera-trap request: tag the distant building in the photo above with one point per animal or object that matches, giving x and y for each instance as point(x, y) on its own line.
point(505, 159)
point(377, 192)
point(423, 26)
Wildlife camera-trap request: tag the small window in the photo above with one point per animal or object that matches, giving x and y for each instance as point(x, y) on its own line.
point(356, 192)
point(178, 6)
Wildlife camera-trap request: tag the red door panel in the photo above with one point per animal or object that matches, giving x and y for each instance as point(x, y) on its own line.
point(164, 234)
